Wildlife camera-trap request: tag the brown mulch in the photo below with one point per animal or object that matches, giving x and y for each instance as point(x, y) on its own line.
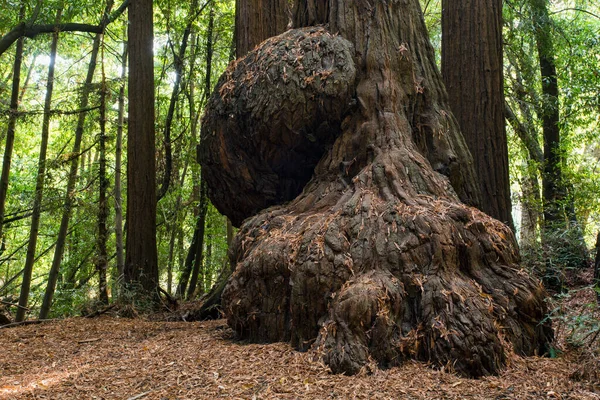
point(115, 358)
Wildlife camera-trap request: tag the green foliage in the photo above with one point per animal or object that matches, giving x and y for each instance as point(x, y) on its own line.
point(575, 317)
point(560, 254)
point(69, 302)
point(78, 278)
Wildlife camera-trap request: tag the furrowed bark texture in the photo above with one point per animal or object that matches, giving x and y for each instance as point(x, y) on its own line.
point(375, 257)
point(141, 260)
point(473, 75)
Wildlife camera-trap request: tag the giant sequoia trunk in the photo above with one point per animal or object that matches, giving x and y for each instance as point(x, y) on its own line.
point(368, 251)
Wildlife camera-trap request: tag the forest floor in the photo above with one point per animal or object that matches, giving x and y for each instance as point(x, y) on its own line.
point(119, 358)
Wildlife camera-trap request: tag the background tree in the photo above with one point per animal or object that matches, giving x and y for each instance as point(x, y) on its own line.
point(10, 132)
point(72, 178)
point(533, 111)
point(473, 75)
point(40, 181)
point(141, 262)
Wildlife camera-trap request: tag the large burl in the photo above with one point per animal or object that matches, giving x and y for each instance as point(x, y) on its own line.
point(275, 112)
point(367, 251)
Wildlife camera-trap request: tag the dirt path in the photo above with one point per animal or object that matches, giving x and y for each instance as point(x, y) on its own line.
point(112, 358)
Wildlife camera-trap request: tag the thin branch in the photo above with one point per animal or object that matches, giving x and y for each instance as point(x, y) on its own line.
point(535, 152)
point(576, 9)
point(31, 31)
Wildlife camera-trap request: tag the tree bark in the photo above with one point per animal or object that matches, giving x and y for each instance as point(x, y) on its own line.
point(40, 180)
point(141, 264)
point(257, 20)
point(472, 67)
point(376, 258)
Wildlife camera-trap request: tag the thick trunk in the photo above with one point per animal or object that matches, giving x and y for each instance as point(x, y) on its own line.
point(257, 20)
point(39, 186)
point(141, 264)
point(376, 258)
point(473, 75)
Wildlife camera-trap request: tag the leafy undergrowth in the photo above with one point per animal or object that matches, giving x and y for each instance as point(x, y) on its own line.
point(119, 358)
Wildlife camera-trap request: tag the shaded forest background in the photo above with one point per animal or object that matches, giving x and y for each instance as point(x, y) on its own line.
point(63, 125)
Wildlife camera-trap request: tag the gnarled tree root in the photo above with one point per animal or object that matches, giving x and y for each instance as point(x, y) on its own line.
point(384, 281)
point(375, 258)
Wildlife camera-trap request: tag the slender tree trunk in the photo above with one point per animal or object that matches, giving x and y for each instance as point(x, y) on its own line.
point(171, 258)
point(118, 169)
point(597, 269)
point(179, 64)
point(203, 201)
point(39, 186)
point(530, 188)
point(141, 264)
point(10, 131)
point(553, 189)
point(561, 234)
point(208, 263)
point(189, 262)
point(176, 230)
point(27, 78)
point(473, 74)
point(198, 261)
point(102, 255)
point(229, 233)
point(70, 194)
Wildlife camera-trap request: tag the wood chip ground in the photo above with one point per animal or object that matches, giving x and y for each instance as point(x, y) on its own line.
point(117, 358)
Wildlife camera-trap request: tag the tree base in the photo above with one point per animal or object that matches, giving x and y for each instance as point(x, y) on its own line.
point(385, 281)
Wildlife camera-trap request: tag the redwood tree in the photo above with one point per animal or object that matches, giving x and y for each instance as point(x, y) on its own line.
point(473, 75)
point(141, 260)
point(367, 250)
